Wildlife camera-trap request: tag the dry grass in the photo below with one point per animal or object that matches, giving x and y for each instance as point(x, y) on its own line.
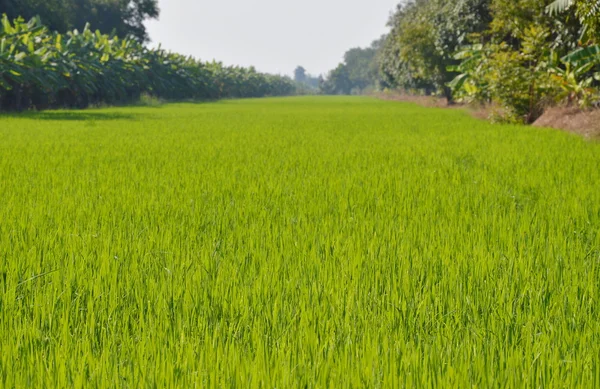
point(585, 123)
point(425, 101)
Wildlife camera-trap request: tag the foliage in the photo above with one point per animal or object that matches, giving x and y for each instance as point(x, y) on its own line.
point(40, 69)
point(518, 66)
point(305, 83)
point(362, 66)
point(409, 54)
point(123, 18)
point(338, 82)
point(576, 77)
point(559, 6)
point(511, 18)
point(424, 37)
point(471, 84)
point(358, 72)
point(520, 80)
point(588, 11)
point(503, 52)
point(333, 242)
point(300, 74)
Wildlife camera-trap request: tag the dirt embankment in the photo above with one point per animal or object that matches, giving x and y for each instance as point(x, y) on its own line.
point(583, 122)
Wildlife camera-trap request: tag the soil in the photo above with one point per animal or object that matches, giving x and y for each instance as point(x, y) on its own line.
point(426, 101)
point(585, 123)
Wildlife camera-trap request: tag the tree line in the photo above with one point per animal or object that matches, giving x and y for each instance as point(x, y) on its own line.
point(41, 69)
point(518, 55)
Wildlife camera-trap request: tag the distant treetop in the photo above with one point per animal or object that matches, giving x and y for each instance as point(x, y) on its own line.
point(118, 17)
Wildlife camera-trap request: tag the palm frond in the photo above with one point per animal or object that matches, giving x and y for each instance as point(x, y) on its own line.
point(559, 6)
point(591, 9)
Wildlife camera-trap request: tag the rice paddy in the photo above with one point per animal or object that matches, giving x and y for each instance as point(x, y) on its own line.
point(296, 242)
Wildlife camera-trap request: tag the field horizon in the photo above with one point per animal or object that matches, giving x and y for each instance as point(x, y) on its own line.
point(296, 242)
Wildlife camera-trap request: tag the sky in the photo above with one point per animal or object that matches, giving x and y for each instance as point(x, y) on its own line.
point(275, 36)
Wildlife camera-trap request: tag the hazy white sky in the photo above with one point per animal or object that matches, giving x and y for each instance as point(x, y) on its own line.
point(273, 35)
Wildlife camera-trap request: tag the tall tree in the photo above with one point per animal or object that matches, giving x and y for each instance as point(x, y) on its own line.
point(338, 82)
point(300, 74)
point(425, 35)
point(56, 14)
point(359, 64)
point(359, 71)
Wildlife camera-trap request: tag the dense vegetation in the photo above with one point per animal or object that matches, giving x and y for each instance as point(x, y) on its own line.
point(43, 69)
point(358, 73)
point(519, 55)
point(305, 83)
point(298, 242)
point(123, 18)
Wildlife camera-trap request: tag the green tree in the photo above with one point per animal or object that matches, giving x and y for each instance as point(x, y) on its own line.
point(519, 65)
point(56, 14)
point(359, 62)
point(512, 17)
point(119, 17)
point(425, 34)
point(359, 71)
point(338, 82)
point(588, 12)
point(300, 74)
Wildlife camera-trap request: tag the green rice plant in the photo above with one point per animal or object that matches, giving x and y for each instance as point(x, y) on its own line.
point(294, 243)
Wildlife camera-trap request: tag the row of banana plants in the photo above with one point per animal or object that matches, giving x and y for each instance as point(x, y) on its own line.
point(42, 69)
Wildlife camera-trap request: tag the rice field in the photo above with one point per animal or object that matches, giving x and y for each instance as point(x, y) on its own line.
point(306, 242)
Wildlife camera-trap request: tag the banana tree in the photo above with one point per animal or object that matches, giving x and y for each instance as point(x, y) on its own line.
point(43, 69)
point(470, 84)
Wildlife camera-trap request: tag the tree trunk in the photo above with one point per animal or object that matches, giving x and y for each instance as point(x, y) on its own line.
point(448, 95)
point(18, 97)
